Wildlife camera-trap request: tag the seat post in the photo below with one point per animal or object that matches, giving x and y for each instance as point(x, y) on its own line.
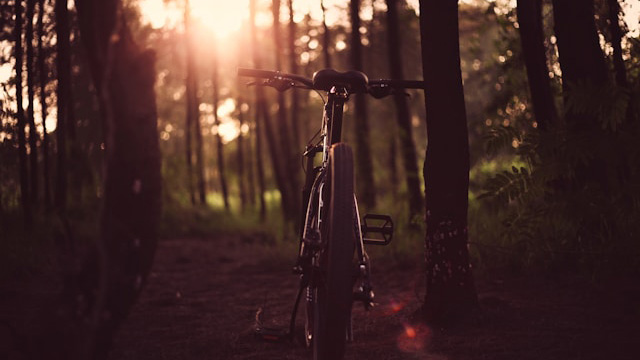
point(337, 97)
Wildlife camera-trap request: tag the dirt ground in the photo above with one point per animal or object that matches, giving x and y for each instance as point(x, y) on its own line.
point(202, 296)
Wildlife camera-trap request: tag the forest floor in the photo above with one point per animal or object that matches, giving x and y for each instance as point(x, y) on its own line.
point(202, 296)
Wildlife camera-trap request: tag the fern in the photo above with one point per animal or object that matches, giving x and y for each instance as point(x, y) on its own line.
point(499, 138)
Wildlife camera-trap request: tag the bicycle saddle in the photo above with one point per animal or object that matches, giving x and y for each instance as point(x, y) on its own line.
point(353, 81)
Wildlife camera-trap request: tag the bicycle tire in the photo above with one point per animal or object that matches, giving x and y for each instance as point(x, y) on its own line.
point(334, 293)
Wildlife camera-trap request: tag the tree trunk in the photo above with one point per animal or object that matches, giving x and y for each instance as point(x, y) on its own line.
point(326, 38)
point(581, 58)
point(220, 148)
point(290, 177)
point(31, 87)
point(96, 300)
point(63, 64)
point(409, 157)
point(240, 157)
point(293, 60)
point(44, 78)
point(193, 103)
point(616, 41)
point(363, 149)
point(450, 293)
point(259, 101)
point(535, 59)
point(583, 64)
point(22, 140)
point(189, 103)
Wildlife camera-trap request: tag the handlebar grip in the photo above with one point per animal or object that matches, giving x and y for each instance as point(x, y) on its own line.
point(257, 73)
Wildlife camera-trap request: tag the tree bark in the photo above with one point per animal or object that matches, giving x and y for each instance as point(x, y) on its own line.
point(408, 148)
point(363, 149)
point(535, 59)
point(63, 64)
point(450, 291)
point(44, 78)
point(259, 101)
point(22, 140)
point(220, 145)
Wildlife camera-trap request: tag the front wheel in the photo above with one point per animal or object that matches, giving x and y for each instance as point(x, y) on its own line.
point(334, 290)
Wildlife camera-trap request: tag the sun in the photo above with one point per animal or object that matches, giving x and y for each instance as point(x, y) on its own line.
point(220, 17)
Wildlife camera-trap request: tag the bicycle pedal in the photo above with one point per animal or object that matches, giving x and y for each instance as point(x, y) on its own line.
point(271, 334)
point(382, 225)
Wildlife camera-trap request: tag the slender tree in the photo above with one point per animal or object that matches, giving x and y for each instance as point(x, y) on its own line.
point(259, 103)
point(63, 64)
point(534, 53)
point(193, 103)
point(31, 87)
point(43, 73)
point(220, 145)
point(189, 103)
point(291, 165)
point(408, 148)
point(293, 65)
point(450, 287)
point(326, 37)
point(22, 141)
point(240, 155)
point(363, 148)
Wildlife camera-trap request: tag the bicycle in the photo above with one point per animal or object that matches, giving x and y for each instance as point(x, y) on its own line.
point(331, 231)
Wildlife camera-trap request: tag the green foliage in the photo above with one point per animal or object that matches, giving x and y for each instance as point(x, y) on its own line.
point(575, 204)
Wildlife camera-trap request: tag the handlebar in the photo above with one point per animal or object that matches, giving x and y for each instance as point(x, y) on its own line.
point(275, 75)
point(377, 88)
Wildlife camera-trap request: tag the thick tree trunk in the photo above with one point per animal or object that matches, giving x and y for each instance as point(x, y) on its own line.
point(581, 58)
point(450, 291)
point(616, 42)
point(44, 78)
point(220, 145)
point(409, 157)
point(583, 65)
point(63, 64)
point(363, 149)
point(535, 59)
point(22, 138)
point(259, 101)
point(189, 121)
point(97, 299)
point(31, 87)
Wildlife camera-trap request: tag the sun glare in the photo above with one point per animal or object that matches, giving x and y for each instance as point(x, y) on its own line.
point(221, 17)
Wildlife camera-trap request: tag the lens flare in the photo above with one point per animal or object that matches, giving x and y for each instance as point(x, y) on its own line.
point(414, 339)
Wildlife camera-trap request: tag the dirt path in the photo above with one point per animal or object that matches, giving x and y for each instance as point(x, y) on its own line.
point(202, 296)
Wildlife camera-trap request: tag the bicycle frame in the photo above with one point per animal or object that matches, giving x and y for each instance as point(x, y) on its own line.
point(310, 236)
